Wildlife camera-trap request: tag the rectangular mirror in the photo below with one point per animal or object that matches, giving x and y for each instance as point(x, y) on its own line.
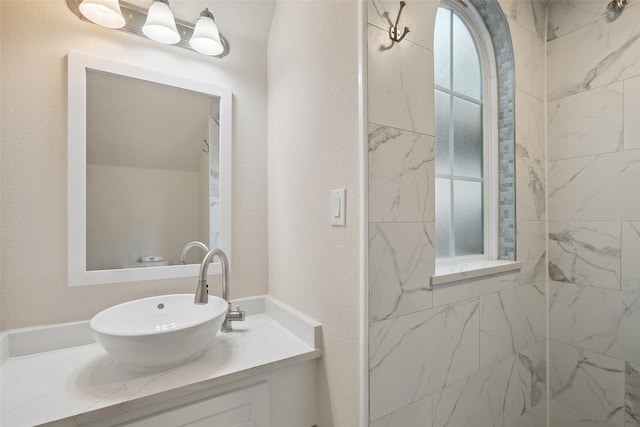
point(149, 171)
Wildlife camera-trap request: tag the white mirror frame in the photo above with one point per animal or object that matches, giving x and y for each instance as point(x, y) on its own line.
point(78, 275)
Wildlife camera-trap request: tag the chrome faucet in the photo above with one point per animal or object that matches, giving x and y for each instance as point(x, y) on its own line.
point(194, 244)
point(202, 292)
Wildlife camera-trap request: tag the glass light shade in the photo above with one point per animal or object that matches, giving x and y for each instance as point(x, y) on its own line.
point(206, 38)
point(106, 13)
point(161, 25)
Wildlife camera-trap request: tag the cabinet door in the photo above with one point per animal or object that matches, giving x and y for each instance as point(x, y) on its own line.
point(247, 407)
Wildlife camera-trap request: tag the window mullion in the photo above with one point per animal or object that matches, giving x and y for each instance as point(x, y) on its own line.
point(459, 177)
point(452, 234)
point(452, 218)
point(459, 95)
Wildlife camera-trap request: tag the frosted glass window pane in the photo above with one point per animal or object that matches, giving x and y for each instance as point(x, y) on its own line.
point(466, 65)
point(443, 218)
point(468, 218)
point(443, 118)
point(467, 138)
point(442, 48)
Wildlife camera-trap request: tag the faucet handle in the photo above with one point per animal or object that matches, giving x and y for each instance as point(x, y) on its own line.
point(236, 315)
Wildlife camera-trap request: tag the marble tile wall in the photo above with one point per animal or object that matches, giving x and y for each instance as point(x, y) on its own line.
point(473, 352)
point(597, 53)
point(593, 93)
point(586, 123)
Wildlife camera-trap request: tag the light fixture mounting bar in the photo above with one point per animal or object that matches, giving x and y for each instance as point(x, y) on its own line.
point(135, 18)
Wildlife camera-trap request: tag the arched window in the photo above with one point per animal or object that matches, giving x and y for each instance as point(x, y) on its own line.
point(466, 136)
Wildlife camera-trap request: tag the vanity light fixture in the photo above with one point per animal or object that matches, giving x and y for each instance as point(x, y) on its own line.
point(206, 38)
point(160, 25)
point(157, 23)
point(106, 13)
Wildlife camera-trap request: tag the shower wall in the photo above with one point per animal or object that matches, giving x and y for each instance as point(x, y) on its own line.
point(594, 213)
point(474, 352)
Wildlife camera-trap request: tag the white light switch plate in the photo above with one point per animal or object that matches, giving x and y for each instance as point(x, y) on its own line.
point(338, 207)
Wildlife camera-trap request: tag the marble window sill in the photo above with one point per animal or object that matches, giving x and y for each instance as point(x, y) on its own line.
point(456, 272)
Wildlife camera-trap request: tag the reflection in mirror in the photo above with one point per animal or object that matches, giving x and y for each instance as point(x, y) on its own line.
point(149, 171)
point(152, 168)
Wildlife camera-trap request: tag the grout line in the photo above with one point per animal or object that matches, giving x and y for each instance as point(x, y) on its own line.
point(365, 323)
point(620, 261)
point(546, 212)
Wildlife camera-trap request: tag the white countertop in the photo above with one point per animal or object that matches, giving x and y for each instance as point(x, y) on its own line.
point(80, 384)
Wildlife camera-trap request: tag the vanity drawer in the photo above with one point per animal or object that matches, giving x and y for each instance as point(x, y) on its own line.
point(248, 407)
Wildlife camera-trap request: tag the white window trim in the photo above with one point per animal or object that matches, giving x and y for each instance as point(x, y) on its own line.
point(490, 151)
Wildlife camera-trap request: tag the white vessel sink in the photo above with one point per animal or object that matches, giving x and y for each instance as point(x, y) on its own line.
point(159, 332)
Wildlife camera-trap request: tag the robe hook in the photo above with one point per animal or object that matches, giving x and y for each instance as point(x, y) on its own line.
point(618, 5)
point(393, 30)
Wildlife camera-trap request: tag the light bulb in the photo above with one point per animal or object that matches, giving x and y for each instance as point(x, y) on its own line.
point(206, 38)
point(161, 25)
point(106, 13)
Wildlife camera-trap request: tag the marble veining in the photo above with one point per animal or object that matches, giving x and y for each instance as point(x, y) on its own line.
point(587, 123)
point(419, 355)
point(401, 259)
point(498, 395)
point(586, 253)
point(511, 321)
point(601, 320)
point(400, 83)
point(565, 416)
point(594, 237)
point(595, 188)
point(588, 382)
point(401, 175)
point(537, 417)
point(530, 157)
point(434, 347)
point(630, 256)
point(530, 186)
point(632, 395)
point(476, 400)
point(532, 250)
point(416, 414)
point(529, 383)
point(595, 55)
point(565, 16)
point(531, 127)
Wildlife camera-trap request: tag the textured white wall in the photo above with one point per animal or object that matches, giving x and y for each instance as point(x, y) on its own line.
point(34, 159)
point(313, 147)
point(1, 139)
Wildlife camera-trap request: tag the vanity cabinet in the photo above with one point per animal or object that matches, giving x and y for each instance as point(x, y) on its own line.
point(284, 397)
point(247, 407)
